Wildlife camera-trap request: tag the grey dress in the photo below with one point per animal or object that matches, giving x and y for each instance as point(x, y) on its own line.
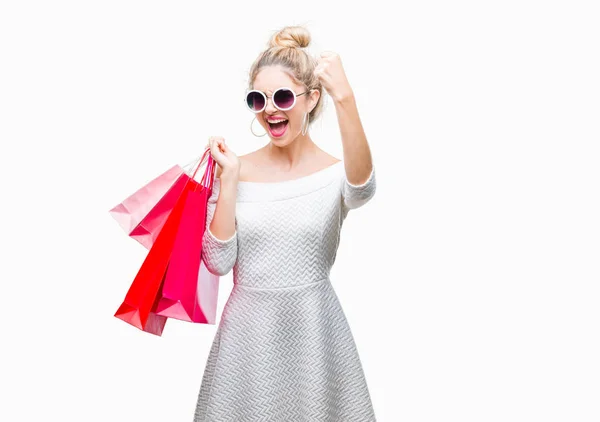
point(283, 350)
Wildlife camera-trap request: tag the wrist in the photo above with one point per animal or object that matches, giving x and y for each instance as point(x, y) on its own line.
point(229, 174)
point(229, 181)
point(344, 97)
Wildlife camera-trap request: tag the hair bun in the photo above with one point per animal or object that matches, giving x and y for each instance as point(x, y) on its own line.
point(291, 37)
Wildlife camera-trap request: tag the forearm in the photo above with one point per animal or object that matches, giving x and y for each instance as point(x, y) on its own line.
point(222, 225)
point(357, 154)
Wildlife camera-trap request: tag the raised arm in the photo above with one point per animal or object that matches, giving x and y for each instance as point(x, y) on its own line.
point(359, 183)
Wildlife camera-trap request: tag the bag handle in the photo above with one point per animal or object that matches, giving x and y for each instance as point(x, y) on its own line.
point(209, 171)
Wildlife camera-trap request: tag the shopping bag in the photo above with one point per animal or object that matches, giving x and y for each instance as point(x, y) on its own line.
point(190, 291)
point(138, 307)
point(141, 302)
point(143, 213)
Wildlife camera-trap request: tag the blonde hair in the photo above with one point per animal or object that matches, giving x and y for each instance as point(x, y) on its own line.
point(285, 49)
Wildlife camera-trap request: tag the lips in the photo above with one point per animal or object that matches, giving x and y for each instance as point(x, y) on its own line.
point(278, 129)
point(275, 119)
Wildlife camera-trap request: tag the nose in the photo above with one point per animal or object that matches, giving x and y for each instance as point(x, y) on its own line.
point(270, 107)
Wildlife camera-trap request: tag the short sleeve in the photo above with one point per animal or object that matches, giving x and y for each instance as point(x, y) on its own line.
point(355, 196)
point(218, 255)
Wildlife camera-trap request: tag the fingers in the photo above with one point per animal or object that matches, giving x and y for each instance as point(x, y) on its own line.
point(214, 139)
point(223, 155)
point(213, 144)
point(328, 54)
point(219, 150)
point(217, 143)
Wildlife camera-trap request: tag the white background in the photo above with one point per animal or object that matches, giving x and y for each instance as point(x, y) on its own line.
point(470, 280)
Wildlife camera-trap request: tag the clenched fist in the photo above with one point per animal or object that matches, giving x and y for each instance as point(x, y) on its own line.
point(330, 73)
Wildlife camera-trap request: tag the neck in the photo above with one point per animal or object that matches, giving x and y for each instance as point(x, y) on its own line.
point(299, 150)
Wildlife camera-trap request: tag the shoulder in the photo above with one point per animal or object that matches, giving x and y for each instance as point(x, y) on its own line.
point(254, 164)
point(322, 160)
point(249, 162)
point(331, 161)
point(325, 159)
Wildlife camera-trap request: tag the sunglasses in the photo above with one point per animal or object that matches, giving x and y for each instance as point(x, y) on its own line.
point(283, 99)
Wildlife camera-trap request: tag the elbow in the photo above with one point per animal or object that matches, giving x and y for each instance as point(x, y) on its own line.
point(218, 255)
point(356, 196)
point(220, 268)
point(361, 198)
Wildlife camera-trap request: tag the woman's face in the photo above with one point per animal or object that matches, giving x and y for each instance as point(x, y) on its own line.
point(268, 80)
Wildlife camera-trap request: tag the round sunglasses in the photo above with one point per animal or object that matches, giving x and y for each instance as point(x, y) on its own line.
point(284, 99)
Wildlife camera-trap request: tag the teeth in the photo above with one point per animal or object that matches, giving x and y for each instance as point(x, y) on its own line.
point(277, 121)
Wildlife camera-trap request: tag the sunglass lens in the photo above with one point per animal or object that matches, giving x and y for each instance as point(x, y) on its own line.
point(256, 102)
point(284, 98)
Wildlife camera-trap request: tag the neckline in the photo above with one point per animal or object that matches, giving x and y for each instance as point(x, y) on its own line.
point(249, 191)
point(297, 179)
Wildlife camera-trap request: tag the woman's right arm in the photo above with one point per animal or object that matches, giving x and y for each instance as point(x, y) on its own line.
point(219, 246)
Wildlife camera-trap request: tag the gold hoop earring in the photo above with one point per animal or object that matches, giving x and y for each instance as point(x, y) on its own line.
point(305, 126)
point(252, 129)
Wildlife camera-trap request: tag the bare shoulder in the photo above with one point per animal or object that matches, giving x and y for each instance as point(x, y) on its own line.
point(328, 160)
point(249, 162)
point(332, 160)
point(255, 166)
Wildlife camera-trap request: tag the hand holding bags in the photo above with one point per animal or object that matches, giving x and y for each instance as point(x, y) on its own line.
point(171, 281)
point(184, 281)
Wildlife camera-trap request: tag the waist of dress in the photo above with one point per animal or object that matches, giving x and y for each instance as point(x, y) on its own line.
point(288, 287)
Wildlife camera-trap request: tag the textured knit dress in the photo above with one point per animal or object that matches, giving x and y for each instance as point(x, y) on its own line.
point(283, 350)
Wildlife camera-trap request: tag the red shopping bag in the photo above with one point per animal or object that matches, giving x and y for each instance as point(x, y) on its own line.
point(142, 297)
point(143, 213)
point(190, 291)
point(139, 306)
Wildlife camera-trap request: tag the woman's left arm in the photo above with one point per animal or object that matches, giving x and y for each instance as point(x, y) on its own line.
point(359, 183)
point(358, 162)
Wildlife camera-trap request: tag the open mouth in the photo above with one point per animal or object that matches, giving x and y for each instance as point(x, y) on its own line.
point(278, 129)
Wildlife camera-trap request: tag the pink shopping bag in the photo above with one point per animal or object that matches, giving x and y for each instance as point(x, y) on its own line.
point(190, 291)
point(143, 214)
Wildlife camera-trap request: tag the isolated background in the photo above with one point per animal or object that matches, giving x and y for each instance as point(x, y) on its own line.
point(471, 279)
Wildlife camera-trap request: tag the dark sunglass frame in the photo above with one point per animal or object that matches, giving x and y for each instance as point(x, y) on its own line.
point(274, 103)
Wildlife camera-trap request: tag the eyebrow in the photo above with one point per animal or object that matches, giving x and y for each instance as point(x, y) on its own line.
point(267, 93)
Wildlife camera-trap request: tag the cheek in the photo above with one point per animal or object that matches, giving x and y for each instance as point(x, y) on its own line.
point(296, 118)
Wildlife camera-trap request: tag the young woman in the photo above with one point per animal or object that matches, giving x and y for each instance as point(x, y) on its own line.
point(283, 350)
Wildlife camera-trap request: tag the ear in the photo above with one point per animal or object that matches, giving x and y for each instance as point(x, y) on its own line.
point(314, 98)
